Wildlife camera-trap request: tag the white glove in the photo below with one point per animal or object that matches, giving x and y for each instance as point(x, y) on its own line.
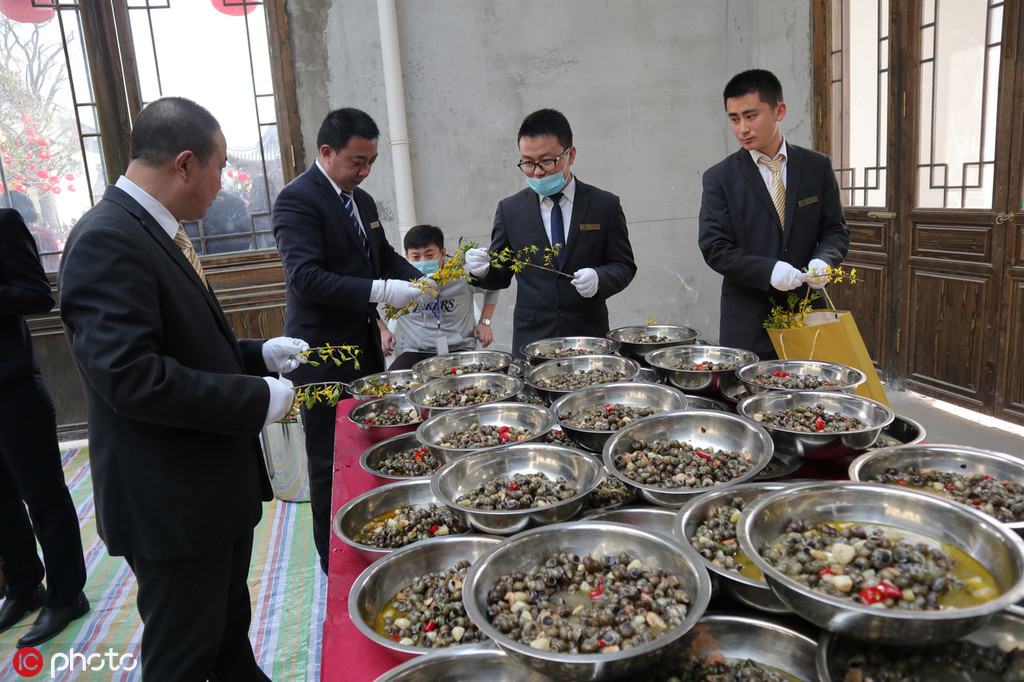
point(785, 277)
point(282, 396)
point(394, 292)
point(478, 262)
point(585, 281)
point(431, 288)
point(816, 276)
point(281, 354)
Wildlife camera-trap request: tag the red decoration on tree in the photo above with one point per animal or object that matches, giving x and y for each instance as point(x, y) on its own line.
point(20, 188)
point(244, 177)
point(43, 174)
point(69, 177)
point(45, 187)
point(71, 188)
point(232, 8)
point(56, 189)
point(45, 154)
point(54, 178)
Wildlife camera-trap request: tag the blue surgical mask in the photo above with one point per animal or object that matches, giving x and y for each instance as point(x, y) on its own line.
point(548, 185)
point(427, 267)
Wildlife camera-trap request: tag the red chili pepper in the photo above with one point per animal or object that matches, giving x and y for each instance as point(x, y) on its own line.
point(433, 529)
point(513, 486)
point(703, 430)
point(370, 421)
point(600, 642)
point(950, 486)
point(609, 408)
point(823, 572)
point(597, 591)
point(703, 456)
point(891, 591)
point(418, 457)
point(429, 626)
point(819, 424)
point(880, 592)
point(504, 429)
point(394, 637)
point(780, 373)
point(976, 503)
point(989, 478)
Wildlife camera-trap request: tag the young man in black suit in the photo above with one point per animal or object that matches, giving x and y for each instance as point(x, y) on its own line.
point(30, 468)
point(771, 218)
point(338, 266)
point(175, 403)
point(588, 225)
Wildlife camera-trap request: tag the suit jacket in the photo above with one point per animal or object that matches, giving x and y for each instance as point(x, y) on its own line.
point(24, 290)
point(548, 304)
point(741, 238)
point(173, 419)
point(328, 274)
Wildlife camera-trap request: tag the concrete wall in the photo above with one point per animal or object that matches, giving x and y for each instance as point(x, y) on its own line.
point(640, 82)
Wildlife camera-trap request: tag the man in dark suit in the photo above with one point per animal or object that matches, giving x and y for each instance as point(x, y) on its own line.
point(338, 265)
point(588, 226)
point(175, 403)
point(30, 468)
point(767, 211)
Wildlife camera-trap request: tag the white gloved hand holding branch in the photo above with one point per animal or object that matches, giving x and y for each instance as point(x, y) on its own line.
point(282, 353)
point(817, 274)
point(586, 282)
point(785, 277)
point(478, 262)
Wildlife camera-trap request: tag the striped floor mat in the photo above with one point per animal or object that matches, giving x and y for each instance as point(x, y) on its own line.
point(289, 596)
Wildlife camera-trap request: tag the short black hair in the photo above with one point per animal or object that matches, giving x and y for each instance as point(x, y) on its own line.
point(169, 126)
point(547, 122)
point(20, 203)
point(763, 82)
point(423, 236)
point(341, 125)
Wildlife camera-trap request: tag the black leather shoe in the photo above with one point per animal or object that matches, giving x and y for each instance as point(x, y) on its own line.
point(13, 610)
point(53, 619)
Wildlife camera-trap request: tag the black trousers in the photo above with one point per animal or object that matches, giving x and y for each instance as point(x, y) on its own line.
point(318, 422)
point(31, 474)
point(195, 615)
point(409, 358)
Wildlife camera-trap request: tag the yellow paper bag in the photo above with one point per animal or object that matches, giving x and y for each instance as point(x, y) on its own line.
point(830, 336)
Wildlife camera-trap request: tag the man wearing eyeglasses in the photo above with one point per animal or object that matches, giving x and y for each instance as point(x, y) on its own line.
point(582, 225)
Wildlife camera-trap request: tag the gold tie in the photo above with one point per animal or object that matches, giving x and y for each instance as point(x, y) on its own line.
point(185, 244)
point(777, 190)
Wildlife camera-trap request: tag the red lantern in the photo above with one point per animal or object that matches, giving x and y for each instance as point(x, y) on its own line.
point(20, 188)
point(232, 8)
point(45, 187)
point(42, 142)
point(71, 188)
point(231, 172)
point(244, 177)
point(23, 10)
point(54, 178)
point(70, 176)
point(44, 154)
point(43, 174)
point(56, 189)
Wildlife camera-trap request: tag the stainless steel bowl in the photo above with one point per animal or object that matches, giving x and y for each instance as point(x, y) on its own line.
point(846, 379)
point(997, 548)
point(702, 402)
point(583, 363)
point(397, 382)
point(372, 456)
point(652, 519)
point(677, 336)
point(537, 419)
point(667, 362)
point(1005, 630)
point(373, 590)
point(443, 365)
point(745, 589)
point(781, 464)
point(529, 550)
point(538, 352)
point(357, 511)
point(376, 432)
point(633, 394)
point(519, 368)
point(483, 662)
point(823, 445)
point(462, 475)
point(700, 428)
point(502, 387)
point(740, 637)
point(952, 458)
point(902, 431)
point(648, 376)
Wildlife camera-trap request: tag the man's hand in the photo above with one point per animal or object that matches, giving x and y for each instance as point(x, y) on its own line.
point(478, 261)
point(282, 353)
point(817, 274)
point(785, 277)
point(585, 281)
point(396, 292)
point(484, 335)
point(282, 396)
point(430, 290)
point(387, 342)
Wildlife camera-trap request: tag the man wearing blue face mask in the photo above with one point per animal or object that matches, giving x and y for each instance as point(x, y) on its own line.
point(584, 224)
point(448, 323)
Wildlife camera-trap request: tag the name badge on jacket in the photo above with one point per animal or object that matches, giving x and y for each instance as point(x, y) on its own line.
point(376, 223)
point(807, 202)
point(590, 226)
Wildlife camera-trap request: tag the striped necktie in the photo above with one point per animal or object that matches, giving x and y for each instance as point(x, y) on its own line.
point(185, 244)
point(350, 206)
point(558, 228)
point(777, 190)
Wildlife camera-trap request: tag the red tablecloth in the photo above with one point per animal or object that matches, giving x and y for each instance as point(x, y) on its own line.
point(347, 653)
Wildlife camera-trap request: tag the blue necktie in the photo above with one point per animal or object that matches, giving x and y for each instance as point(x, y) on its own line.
point(557, 228)
point(350, 206)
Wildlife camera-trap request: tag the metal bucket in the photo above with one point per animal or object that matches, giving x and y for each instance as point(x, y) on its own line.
point(284, 450)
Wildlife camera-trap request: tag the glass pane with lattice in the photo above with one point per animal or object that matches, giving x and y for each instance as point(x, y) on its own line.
point(860, 84)
point(960, 51)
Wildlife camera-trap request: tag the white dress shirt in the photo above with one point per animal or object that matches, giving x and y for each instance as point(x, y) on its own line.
point(547, 203)
point(162, 216)
point(766, 172)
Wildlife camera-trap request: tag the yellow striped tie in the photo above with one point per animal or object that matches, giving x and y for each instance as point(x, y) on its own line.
point(777, 190)
point(185, 244)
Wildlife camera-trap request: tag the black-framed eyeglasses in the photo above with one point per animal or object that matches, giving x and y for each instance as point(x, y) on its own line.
point(546, 165)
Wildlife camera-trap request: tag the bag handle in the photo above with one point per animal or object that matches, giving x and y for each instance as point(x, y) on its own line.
point(814, 344)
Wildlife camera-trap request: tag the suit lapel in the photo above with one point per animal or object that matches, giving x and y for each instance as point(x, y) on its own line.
point(337, 206)
point(748, 169)
point(580, 203)
point(793, 172)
